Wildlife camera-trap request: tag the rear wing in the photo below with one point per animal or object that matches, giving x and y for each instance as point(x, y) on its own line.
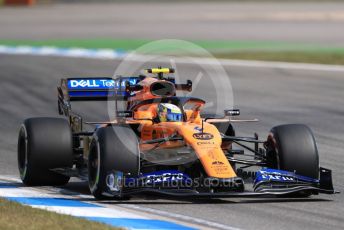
point(94, 88)
point(101, 89)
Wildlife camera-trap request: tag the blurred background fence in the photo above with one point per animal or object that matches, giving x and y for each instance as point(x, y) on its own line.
point(33, 2)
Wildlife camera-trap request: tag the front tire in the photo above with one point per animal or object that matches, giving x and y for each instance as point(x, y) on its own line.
point(43, 144)
point(293, 148)
point(113, 148)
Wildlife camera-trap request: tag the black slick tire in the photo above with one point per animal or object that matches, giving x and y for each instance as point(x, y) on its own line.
point(113, 148)
point(43, 144)
point(293, 148)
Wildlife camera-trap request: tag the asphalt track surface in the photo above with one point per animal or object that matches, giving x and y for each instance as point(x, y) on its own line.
point(320, 22)
point(275, 96)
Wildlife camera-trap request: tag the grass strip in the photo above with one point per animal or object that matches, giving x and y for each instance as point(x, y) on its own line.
point(246, 50)
point(14, 216)
point(211, 45)
point(121, 44)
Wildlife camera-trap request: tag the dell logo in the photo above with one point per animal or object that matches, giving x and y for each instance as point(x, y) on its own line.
point(83, 83)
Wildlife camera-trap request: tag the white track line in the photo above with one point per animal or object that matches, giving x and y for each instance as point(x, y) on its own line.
point(90, 210)
point(41, 198)
point(10, 178)
point(19, 192)
point(109, 54)
point(184, 218)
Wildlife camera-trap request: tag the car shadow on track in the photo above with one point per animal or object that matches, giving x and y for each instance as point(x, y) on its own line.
point(154, 199)
point(157, 200)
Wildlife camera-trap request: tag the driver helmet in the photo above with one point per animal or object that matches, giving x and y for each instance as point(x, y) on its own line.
point(169, 112)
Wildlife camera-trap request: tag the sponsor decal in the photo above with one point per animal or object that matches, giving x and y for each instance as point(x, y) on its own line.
point(89, 83)
point(165, 177)
point(206, 143)
point(122, 82)
point(280, 176)
point(220, 169)
point(203, 136)
point(132, 81)
point(219, 166)
point(270, 176)
point(198, 129)
point(124, 114)
point(275, 176)
point(159, 177)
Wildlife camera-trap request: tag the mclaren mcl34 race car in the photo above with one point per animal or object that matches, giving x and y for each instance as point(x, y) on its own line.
point(161, 143)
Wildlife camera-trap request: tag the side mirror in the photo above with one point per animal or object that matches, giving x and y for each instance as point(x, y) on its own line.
point(184, 87)
point(232, 112)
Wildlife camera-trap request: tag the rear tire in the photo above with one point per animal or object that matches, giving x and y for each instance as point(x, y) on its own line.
point(293, 148)
point(43, 144)
point(113, 148)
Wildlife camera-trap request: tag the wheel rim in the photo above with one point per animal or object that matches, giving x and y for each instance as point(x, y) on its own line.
point(22, 152)
point(94, 166)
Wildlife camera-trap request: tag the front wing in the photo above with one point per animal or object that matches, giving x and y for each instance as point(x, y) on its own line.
point(268, 183)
